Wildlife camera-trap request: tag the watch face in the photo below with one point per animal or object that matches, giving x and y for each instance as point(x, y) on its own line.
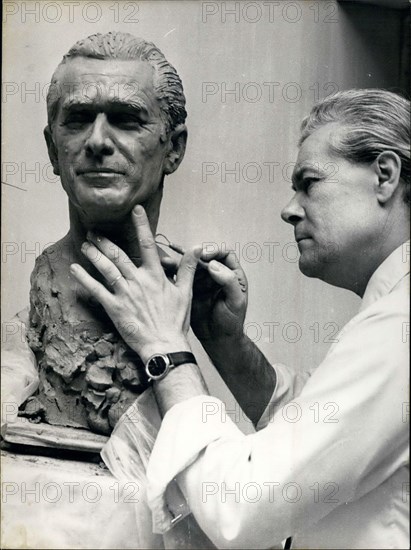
point(157, 366)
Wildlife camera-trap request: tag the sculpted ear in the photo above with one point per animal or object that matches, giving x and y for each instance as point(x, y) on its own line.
point(177, 147)
point(388, 168)
point(52, 150)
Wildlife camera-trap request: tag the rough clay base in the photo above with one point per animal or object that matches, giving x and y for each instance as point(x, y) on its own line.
point(88, 375)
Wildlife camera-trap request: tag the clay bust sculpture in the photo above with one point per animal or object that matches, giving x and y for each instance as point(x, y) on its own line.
point(116, 113)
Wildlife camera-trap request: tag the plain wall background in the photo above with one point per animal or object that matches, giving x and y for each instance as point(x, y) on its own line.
point(305, 49)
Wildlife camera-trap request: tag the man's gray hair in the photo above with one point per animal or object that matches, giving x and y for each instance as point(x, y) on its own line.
point(375, 120)
point(119, 45)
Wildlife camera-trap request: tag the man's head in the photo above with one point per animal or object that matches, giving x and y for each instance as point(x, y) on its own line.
point(116, 112)
point(351, 182)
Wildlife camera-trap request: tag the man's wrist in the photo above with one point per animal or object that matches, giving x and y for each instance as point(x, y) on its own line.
point(224, 345)
point(164, 347)
point(223, 338)
point(180, 384)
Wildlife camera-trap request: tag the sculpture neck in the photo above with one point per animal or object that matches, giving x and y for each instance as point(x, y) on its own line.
point(121, 232)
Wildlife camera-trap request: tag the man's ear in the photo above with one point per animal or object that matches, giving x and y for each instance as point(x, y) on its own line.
point(388, 169)
point(177, 147)
point(52, 150)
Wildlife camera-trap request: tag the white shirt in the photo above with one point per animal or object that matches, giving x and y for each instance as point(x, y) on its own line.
point(329, 468)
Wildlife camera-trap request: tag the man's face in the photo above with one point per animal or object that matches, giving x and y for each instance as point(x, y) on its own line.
point(109, 137)
point(334, 209)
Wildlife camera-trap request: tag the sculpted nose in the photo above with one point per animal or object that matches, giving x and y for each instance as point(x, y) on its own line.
point(98, 142)
point(293, 212)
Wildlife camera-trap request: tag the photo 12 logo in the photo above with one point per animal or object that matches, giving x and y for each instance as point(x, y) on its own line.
point(271, 11)
point(71, 12)
point(268, 92)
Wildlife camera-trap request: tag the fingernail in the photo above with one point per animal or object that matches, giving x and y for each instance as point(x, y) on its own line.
point(197, 251)
point(85, 246)
point(91, 236)
point(138, 210)
point(73, 268)
point(214, 265)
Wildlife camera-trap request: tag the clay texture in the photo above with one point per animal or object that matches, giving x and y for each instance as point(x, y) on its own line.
point(88, 375)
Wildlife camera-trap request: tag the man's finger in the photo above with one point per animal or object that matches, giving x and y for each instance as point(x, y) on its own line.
point(227, 279)
point(146, 242)
point(106, 267)
point(228, 258)
point(114, 254)
point(231, 260)
point(187, 269)
point(96, 289)
point(215, 254)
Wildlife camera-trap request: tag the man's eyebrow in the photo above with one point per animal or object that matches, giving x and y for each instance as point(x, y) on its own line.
point(299, 171)
point(83, 101)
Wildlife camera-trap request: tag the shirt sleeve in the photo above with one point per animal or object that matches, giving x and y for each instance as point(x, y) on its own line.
point(339, 439)
point(289, 384)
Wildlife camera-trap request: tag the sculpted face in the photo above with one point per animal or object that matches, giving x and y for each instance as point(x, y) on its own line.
point(108, 141)
point(334, 209)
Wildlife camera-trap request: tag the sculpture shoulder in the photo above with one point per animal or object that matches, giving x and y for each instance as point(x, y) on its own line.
point(52, 259)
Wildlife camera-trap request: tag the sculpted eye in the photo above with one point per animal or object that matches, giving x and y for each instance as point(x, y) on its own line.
point(78, 118)
point(126, 120)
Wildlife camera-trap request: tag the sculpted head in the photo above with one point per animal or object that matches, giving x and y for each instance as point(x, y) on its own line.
point(123, 46)
point(351, 181)
point(116, 113)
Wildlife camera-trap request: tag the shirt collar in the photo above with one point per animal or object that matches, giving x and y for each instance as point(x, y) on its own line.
point(395, 267)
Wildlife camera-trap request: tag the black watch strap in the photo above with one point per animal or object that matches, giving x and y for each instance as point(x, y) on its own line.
point(180, 358)
point(159, 365)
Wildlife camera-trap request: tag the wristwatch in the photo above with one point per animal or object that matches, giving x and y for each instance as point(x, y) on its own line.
point(159, 365)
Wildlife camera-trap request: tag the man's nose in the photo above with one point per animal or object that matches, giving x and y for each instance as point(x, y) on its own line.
point(99, 142)
point(293, 212)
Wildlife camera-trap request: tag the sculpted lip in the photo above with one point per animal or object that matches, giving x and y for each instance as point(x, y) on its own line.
point(89, 171)
point(103, 178)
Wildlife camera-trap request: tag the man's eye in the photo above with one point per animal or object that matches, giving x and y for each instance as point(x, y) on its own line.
point(307, 183)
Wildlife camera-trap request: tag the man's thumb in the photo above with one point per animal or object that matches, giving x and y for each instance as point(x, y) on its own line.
point(227, 279)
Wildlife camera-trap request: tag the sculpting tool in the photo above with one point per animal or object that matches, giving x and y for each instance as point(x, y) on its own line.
point(177, 248)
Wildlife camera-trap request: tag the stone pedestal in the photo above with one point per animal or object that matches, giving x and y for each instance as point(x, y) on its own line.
point(56, 503)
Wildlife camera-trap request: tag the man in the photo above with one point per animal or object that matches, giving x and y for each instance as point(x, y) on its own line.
point(116, 113)
point(333, 472)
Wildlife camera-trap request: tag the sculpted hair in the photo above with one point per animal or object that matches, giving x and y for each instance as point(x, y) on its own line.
point(124, 46)
point(375, 120)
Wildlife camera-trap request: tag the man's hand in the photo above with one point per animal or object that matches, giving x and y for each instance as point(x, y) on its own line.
point(217, 317)
point(219, 296)
point(150, 312)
